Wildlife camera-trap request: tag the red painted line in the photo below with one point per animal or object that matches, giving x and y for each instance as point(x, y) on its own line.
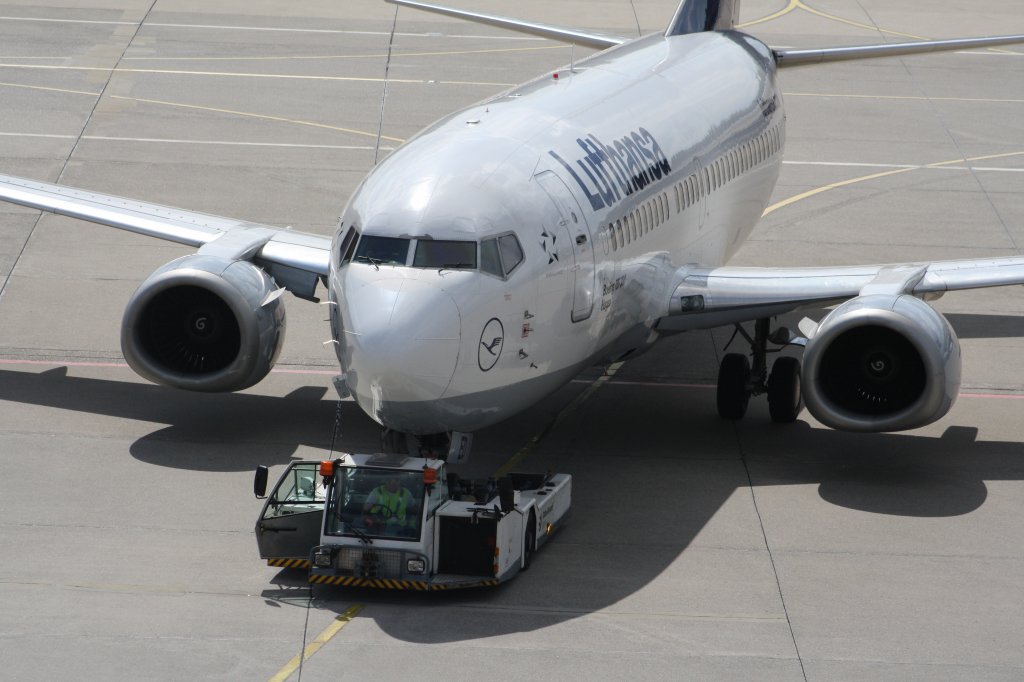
point(122, 365)
point(60, 363)
point(667, 384)
point(325, 372)
point(994, 396)
point(322, 372)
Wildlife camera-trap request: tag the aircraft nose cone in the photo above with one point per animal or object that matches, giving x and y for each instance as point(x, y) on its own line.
point(404, 339)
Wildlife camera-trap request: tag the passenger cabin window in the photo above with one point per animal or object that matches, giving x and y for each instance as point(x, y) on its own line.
point(382, 250)
point(438, 253)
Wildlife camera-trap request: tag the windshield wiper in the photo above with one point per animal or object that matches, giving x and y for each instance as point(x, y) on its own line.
point(454, 266)
point(372, 261)
point(363, 537)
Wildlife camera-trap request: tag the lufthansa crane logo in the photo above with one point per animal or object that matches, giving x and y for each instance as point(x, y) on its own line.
point(492, 338)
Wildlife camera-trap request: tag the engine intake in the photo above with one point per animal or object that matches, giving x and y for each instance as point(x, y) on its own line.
point(204, 323)
point(881, 363)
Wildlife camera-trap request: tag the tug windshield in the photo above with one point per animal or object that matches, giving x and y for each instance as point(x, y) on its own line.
point(376, 503)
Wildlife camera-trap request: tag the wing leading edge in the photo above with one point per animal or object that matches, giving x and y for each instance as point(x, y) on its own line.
point(292, 252)
point(711, 297)
point(802, 57)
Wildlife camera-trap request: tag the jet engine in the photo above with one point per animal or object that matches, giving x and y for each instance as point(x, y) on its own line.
point(881, 363)
point(204, 323)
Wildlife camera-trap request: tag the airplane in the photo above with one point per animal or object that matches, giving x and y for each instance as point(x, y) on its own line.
point(569, 221)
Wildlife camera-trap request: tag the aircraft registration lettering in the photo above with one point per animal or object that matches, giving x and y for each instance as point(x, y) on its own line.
point(618, 170)
point(608, 289)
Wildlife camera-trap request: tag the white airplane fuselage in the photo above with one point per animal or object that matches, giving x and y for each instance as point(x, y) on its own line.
point(611, 176)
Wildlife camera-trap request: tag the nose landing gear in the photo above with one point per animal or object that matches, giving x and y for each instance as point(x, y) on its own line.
point(738, 379)
point(453, 446)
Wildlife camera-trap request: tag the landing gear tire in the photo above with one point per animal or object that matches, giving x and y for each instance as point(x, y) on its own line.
point(733, 392)
point(785, 398)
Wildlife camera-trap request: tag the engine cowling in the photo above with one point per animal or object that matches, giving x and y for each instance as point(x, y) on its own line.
point(881, 363)
point(204, 323)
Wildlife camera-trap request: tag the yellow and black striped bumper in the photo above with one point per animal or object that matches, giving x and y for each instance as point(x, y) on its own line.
point(394, 584)
point(289, 563)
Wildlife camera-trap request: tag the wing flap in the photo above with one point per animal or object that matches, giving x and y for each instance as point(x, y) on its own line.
point(243, 239)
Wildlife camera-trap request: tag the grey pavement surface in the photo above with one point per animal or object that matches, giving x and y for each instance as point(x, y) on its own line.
point(697, 549)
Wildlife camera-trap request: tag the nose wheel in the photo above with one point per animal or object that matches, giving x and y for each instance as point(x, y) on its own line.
point(739, 379)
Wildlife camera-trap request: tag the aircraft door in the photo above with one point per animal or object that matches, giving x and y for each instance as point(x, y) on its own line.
point(290, 524)
point(572, 218)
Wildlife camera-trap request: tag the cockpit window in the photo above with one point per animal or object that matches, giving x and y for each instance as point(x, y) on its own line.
point(382, 250)
point(437, 253)
point(490, 261)
point(511, 252)
point(348, 245)
point(500, 255)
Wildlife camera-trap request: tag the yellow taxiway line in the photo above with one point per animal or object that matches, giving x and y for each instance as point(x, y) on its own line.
point(330, 631)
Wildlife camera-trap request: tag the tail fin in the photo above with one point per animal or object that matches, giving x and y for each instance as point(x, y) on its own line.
point(695, 16)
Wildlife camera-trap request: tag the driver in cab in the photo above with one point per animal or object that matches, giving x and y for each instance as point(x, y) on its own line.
point(387, 506)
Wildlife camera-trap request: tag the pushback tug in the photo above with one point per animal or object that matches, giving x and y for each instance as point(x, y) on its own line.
point(396, 522)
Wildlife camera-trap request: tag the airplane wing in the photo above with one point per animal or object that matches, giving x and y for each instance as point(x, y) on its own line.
point(296, 260)
point(710, 297)
point(566, 35)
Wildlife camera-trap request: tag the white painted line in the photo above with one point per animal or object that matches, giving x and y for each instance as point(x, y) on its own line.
point(431, 34)
point(234, 74)
point(54, 137)
point(990, 53)
point(840, 164)
point(231, 143)
point(148, 24)
point(843, 164)
point(227, 143)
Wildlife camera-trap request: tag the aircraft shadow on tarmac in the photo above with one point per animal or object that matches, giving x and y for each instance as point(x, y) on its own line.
point(642, 492)
point(621, 538)
point(205, 432)
point(638, 506)
point(984, 326)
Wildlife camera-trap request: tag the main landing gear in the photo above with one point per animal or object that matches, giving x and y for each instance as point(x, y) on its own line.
point(738, 379)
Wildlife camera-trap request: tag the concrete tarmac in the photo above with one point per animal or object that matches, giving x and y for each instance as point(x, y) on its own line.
point(697, 549)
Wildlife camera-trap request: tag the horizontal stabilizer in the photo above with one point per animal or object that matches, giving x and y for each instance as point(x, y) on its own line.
point(565, 35)
point(801, 57)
